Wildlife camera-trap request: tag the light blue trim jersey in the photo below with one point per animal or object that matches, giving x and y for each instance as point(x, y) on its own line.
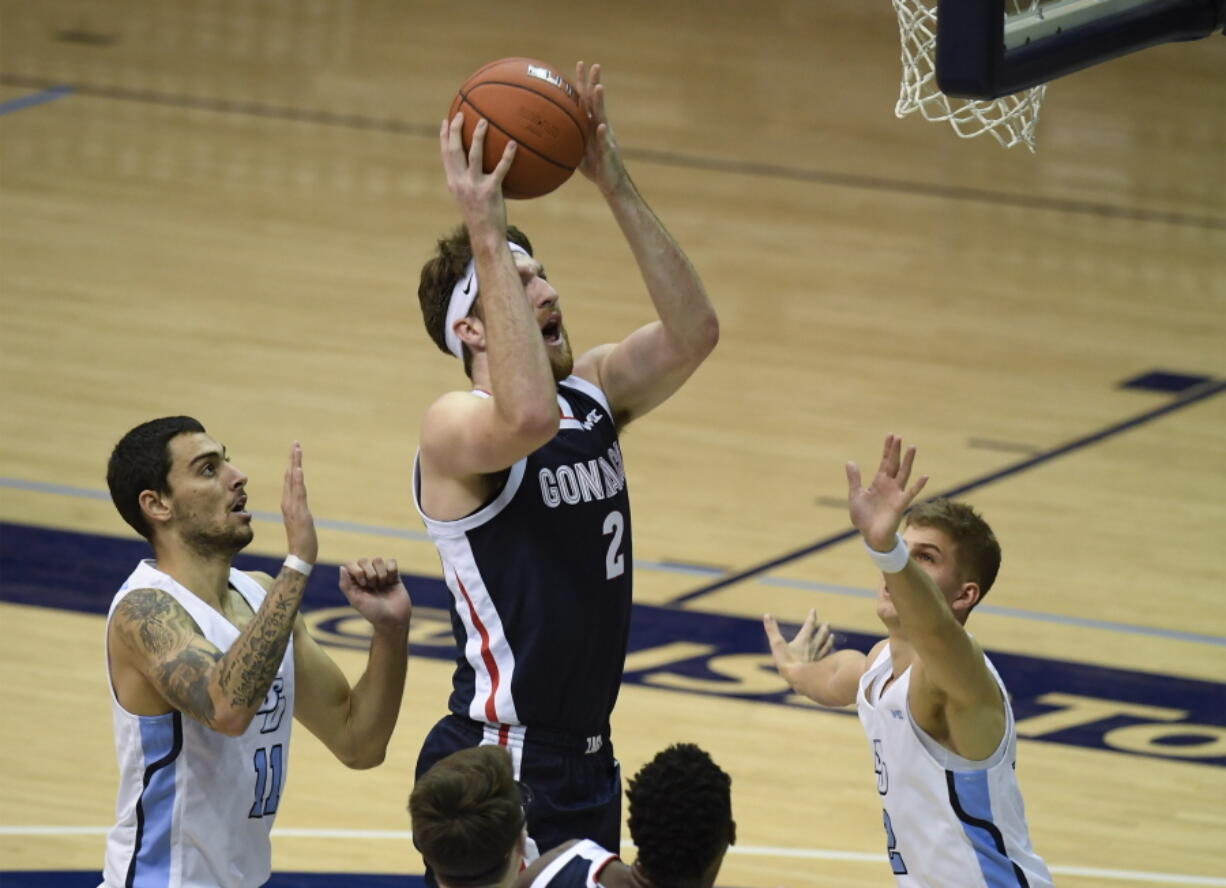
point(948, 820)
point(195, 807)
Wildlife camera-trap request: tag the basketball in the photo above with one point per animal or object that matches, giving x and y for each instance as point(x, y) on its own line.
point(529, 102)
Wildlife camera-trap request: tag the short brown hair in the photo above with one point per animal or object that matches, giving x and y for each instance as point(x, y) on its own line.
point(467, 815)
point(977, 552)
point(451, 256)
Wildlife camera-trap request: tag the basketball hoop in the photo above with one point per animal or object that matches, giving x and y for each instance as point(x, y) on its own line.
point(1010, 119)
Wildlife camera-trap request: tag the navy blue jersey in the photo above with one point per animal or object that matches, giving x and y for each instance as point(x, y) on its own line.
point(577, 867)
point(540, 578)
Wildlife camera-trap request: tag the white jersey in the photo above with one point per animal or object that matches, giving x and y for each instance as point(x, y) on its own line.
point(948, 820)
point(194, 806)
point(579, 866)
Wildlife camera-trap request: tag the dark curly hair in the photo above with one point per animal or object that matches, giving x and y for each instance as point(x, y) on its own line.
point(440, 273)
point(680, 815)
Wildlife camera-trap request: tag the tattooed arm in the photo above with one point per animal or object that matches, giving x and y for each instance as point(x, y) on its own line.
point(161, 660)
point(154, 637)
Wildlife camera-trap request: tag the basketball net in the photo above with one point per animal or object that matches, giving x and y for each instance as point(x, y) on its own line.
point(1011, 119)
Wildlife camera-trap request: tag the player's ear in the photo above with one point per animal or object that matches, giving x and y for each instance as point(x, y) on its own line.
point(968, 596)
point(471, 332)
point(155, 506)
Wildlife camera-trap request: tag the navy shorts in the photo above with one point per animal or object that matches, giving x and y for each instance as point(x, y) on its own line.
point(576, 794)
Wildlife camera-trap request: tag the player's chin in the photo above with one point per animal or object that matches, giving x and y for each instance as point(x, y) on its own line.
point(561, 361)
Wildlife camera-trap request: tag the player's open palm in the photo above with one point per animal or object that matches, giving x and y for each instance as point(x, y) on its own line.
point(812, 642)
point(877, 510)
point(374, 589)
point(299, 524)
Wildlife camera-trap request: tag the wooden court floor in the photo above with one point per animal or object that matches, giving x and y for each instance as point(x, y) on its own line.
point(219, 208)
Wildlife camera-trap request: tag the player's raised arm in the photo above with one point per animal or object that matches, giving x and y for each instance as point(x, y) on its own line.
point(951, 661)
point(159, 639)
point(356, 723)
point(462, 435)
point(649, 365)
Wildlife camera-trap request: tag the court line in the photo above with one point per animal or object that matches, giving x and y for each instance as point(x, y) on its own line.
point(50, 94)
point(690, 570)
point(875, 858)
point(648, 155)
point(1205, 390)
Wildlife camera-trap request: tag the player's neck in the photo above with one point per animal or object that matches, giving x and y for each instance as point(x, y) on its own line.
point(205, 576)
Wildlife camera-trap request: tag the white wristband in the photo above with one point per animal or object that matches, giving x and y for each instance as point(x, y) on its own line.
point(892, 561)
point(293, 562)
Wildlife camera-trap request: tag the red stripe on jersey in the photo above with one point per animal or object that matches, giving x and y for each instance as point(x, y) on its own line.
point(504, 732)
point(486, 654)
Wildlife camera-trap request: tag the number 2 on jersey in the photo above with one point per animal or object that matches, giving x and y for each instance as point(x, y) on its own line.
point(896, 861)
point(614, 560)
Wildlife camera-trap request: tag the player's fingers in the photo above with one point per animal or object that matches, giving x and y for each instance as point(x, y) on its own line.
point(825, 641)
point(477, 149)
point(917, 487)
point(504, 162)
point(773, 635)
point(904, 471)
point(853, 479)
point(889, 455)
point(393, 571)
point(380, 571)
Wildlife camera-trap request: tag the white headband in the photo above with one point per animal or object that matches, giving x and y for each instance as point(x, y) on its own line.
point(463, 295)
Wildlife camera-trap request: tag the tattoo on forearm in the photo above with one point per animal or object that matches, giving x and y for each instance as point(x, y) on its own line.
point(251, 664)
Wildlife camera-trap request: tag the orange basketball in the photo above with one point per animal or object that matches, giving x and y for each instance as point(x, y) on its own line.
point(531, 103)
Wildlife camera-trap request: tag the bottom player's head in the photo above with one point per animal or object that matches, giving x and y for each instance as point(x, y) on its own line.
point(171, 481)
point(457, 325)
point(468, 819)
point(956, 547)
point(681, 818)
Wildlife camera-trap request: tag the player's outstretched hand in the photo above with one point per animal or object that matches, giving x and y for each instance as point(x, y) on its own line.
point(299, 525)
point(812, 642)
point(374, 588)
point(478, 193)
point(877, 510)
point(602, 162)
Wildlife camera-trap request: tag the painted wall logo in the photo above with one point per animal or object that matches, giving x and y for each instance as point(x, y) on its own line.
point(1054, 701)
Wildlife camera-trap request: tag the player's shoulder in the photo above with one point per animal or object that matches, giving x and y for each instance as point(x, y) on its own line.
point(875, 652)
point(448, 409)
point(264, 580)
point(590, 364)
point(146, 603)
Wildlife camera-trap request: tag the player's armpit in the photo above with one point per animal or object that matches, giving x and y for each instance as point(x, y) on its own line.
point(164, 644)
point(956, 700)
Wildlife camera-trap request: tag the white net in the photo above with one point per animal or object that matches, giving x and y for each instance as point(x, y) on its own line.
point(1011, 119)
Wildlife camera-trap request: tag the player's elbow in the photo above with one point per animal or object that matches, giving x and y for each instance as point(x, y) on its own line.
point(232, 723)
point(536, 423)
point(362, 759)
point(707, 333)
